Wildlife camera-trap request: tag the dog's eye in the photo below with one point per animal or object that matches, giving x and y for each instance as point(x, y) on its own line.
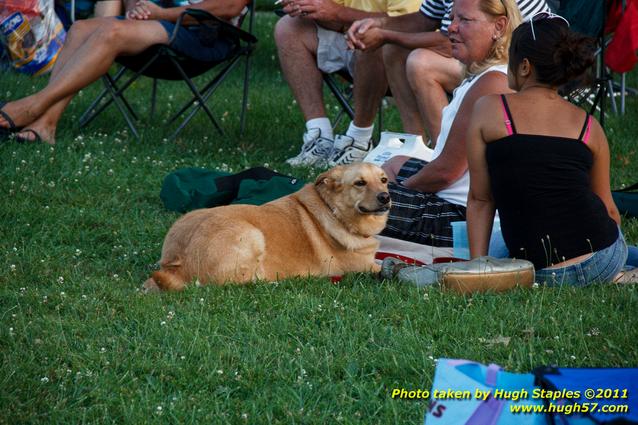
point(384, 180)
point(360, 183)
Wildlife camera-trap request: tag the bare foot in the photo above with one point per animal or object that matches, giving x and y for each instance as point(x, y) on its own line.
point(37, 132)
point(22, 112)
point(627, 276)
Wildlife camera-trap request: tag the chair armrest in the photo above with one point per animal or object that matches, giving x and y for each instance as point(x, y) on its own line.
point(203, 18)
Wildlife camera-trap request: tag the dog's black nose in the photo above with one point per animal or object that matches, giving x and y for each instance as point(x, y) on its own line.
point(383, 197)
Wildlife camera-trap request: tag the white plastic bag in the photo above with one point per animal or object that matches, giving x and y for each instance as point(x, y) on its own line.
point(393, 144)
point(31, 33)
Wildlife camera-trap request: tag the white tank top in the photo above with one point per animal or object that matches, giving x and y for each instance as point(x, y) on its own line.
point(457, 192)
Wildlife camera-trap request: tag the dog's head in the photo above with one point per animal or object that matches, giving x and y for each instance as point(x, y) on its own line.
point(358, 196)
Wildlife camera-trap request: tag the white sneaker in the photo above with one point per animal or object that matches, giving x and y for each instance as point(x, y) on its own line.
point(315, 150)
point(347, 150)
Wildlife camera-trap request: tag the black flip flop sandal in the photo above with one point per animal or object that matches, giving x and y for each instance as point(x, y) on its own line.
point(22, 139)
point(12, 126)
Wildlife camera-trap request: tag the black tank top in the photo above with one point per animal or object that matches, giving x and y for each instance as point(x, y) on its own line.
point(542, 189)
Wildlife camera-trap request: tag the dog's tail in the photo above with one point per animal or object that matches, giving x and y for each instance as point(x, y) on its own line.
point(168, 281)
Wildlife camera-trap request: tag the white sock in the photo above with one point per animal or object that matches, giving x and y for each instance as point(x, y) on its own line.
point(323, 124)
point(361, 135)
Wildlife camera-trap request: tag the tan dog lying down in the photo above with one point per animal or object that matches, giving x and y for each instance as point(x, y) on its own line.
point(324, 229)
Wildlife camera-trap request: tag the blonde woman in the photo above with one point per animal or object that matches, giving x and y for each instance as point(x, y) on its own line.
point(428, 196)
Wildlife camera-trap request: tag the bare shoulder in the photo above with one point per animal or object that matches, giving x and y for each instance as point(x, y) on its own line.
point(597, 137)
point(487, 105)
point(490, 83)
point(493, 82)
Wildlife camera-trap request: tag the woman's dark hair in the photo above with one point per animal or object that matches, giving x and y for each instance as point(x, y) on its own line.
point(558, 55)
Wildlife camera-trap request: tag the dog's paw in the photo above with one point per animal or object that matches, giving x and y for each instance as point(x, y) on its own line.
point(150, 286)
point(375, 268)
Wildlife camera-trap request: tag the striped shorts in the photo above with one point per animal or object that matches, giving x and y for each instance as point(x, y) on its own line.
point(420, 217)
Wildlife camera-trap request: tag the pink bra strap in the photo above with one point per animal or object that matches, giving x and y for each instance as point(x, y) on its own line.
point(506, 117)
point(586, 136)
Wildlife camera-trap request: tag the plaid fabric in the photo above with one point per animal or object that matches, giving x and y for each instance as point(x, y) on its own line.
point(420, 217)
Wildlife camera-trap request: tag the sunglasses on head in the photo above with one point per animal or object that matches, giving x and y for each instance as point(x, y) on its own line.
point(541, 16)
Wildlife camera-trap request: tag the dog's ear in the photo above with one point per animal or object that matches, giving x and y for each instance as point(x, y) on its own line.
point(331, 179)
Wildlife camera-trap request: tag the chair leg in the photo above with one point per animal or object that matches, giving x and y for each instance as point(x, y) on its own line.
point(380, 123)
point(244, 105)
point(201, 104)
point(343, 101)
point(94, 110)
point(121, 105)
point(153, 98)
point(612, 96)
point(208, 90)
point(90, 113)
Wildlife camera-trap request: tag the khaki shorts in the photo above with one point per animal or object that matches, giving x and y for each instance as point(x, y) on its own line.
point(332, 52)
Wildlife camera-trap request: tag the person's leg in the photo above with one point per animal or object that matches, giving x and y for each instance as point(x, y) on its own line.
point(431, 76)
point(394, 60)
point(297, 45)
point(87, 63)
point(46, 125)
point(296, 41)
point(370, 85)
point(632, 257)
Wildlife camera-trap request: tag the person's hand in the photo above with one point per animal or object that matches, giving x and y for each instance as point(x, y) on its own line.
point(414, 182)
point(145, 10)
point(322, 10)
point(365, 34)
point(392, 167)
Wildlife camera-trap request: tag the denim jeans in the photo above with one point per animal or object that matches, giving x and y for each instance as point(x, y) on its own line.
point(601, 267)
point(632, 258)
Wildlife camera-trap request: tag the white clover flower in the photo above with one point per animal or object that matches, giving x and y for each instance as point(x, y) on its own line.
point(44, 379)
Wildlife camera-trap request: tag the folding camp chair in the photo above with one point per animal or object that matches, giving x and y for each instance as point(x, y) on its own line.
point(588, 17)
point(160, 62)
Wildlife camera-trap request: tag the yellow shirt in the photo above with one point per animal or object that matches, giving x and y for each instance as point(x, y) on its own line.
point(391, 7)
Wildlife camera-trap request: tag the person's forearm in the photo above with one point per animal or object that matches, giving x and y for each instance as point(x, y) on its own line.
point(418, 40)
point(410, 22)
point(437, 175)
point(345, 16)
point(480, 218)
point(129, 4)
point(223, 9)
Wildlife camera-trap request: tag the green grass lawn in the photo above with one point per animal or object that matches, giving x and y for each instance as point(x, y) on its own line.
point(81, 227)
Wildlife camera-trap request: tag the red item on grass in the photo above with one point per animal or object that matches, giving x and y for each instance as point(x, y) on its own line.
point(620, 55)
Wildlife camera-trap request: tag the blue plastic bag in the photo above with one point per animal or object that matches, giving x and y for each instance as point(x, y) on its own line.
point(605, 395)
point(481, 395)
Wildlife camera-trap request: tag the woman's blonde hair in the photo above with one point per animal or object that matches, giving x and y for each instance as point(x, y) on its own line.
point(498, 54)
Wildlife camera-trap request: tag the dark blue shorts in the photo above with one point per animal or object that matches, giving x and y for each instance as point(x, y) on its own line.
point(189, 43)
